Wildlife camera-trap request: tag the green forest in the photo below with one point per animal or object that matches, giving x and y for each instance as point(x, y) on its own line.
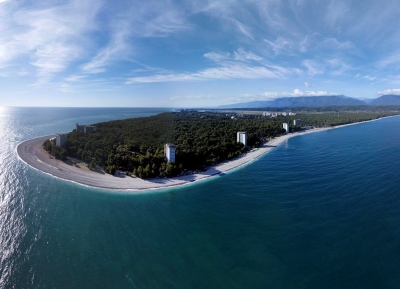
point(136, 145)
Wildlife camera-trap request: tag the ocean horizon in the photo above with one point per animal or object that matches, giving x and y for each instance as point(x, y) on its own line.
point(319, 211)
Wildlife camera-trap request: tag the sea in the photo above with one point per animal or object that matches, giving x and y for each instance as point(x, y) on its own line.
point(321, 210)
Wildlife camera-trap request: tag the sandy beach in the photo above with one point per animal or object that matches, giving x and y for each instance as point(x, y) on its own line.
point(32, 153)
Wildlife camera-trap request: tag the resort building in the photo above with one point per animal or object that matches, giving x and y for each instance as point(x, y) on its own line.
point(169, 152)
point(296, 122)
point(61, 140)
point(85, 128)
point(242, 137)
point(286, 127)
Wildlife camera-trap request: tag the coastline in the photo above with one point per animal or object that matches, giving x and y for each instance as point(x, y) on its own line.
point(32, 153)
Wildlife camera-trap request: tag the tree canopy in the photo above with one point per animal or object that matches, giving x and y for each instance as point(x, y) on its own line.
point(136, 145)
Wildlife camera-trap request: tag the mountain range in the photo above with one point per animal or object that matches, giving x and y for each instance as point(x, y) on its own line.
point(316, 101)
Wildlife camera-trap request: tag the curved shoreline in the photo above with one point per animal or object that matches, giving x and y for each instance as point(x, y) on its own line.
point(32, 153)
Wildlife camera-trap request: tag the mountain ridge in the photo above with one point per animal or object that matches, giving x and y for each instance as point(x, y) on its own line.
point(315, 101)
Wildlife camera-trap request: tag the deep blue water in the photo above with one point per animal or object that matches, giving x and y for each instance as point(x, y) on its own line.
point(320, 211)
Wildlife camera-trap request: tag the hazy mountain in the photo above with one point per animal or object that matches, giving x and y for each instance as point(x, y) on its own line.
point(300, 101)
point(386, 100)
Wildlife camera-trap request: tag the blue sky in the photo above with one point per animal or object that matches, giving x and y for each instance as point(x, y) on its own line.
point(195, 53)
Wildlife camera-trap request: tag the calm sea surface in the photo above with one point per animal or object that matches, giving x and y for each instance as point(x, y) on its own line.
point(320, 211)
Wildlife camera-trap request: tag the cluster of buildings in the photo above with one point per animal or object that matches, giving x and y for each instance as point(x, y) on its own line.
point(85, 128)
point(286, 126)
point(61, 138)
point(276, 114)
point(170, 149)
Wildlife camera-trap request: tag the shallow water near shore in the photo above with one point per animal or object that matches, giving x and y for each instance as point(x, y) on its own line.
point(320, 211)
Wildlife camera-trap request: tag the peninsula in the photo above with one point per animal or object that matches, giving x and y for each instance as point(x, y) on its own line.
point(71, 169)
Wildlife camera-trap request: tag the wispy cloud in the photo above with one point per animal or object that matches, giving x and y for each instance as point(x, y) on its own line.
point(242, 55)
point(157, 18)
point(333, 44)
point(338, 66)
point(52, 38)
point(389, 61)
point(217, 56)
point(243, 29)
point(191, 97)
point(75, 78)
point(313, 67)
point(56, 36)
point(116, 50)
point(368, 77)
point(228, 71)
point(280, 45)
point(239, 65)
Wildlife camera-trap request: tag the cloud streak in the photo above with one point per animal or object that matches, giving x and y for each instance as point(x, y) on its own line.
point(239, 65)
point(228, 71)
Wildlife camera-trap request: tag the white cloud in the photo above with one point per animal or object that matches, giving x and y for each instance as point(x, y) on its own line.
point(243, 29)
point(239, 55)
point(316, 43)
point(339, 66)
point(75, 78)
point(313, 67)
point(144, 19)
point(298, 92)
point(336, 13)
point(156, 18)
point(238, 71)
point(23, 72)
point(305, 43)
point(52, 38)
point(239, 65)
point(191, 97)
point(55, 36)
point(391, 60)
point(368, 77)
point(306, 84)
point(216, 56)
point(280, 45)
point(333, 44)
point(395, 91)
point(244, 56)
point(113, 51)
point(273, 95)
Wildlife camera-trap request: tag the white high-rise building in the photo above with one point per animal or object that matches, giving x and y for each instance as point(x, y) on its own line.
point(242, 137)
point(61, 140)
point(169, 151)
point(296, 122)
point(286, 127)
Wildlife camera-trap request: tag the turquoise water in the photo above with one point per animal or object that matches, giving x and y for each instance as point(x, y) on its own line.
point(320, 211)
